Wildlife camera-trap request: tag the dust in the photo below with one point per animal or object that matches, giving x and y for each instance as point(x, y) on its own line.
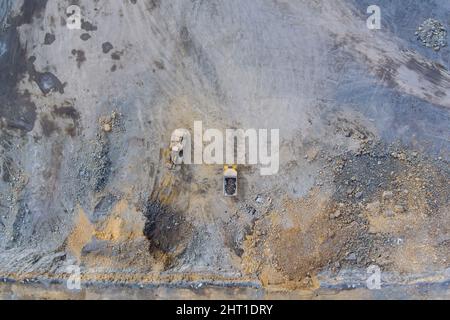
point(289, 246)
point(386, 209)
point(80, 235)
point(123, 224)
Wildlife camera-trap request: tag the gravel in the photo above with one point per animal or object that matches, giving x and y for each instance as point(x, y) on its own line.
point(432, 34)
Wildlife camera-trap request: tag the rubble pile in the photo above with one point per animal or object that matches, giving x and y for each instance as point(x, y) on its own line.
point(432, 34)
point(108, 122)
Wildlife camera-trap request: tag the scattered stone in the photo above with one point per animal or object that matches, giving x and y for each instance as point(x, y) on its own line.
point(107, 47)
point(85, 36)
point(80, 56)
point(389, 213)
point(351, 257)
point(387, 195)
point(116, 55)
point(87, 26)
point(48, 82)
point(373, 207)
point(399, 209)
point(49, 39)
point(259, 199)
point(432, 34)
point(107, 123)
point(336, 214)
point(107, 127)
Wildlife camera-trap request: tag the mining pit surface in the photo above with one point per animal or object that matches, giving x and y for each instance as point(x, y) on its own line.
point(86, 117)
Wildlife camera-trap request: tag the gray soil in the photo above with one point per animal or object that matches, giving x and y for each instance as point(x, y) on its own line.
point(86, 118)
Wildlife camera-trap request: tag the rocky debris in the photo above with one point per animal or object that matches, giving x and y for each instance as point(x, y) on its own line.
point(87, 26)
point(49, 39)
point(107, 127)
point(5, 7)
point(116, 55)
point(164, 229)
point(109, 122)
point(399, 209)
point(332, 232)
point(12, 188)
point(85, 36)
point(96, 170)
point(379, 175)
point(377, 181)
point(107, 47)
point(46, 81)
point(102, 167)
point(352, 129)
point(80, 56)
point(432, 34)
point(17, 111)
point(387, 195)
point(336, 214)
point(103, 207)
point(381, 181)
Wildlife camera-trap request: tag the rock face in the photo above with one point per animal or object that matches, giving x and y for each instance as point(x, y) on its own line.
point(85, 123)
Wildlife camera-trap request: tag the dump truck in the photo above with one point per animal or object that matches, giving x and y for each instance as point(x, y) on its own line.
point(230, 180)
